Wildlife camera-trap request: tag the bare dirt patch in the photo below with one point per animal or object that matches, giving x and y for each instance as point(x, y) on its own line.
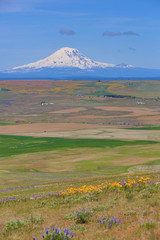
point(27, 82)
point(145, 169)
point(44, 128)
point(150, 119)
point(78, 130)
point(14, 180)
point(70, 110)
point(132, 161)
point(134, 111)
point(91, 116)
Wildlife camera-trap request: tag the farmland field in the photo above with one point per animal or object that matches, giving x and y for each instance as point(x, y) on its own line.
point(118, 103)
point(59, 135)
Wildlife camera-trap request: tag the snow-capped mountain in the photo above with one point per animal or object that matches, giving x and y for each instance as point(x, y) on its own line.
point(68, 57)
point(69, 63)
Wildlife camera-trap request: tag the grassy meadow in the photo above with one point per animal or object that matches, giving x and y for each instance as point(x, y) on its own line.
point(80, 155)
point(33, 210)
point(34, 170)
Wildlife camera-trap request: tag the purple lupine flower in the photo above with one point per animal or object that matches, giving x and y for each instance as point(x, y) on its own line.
point(110, 225)
point(43, 235)
point(100, 221)
point(34, 238)
point(47, 231)
point(122, 182)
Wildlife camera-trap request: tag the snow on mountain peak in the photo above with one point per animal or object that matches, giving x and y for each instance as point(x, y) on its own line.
point(66, 57)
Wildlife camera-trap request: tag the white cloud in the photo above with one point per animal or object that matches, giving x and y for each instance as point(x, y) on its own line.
point(15, 6)
point(7, 6)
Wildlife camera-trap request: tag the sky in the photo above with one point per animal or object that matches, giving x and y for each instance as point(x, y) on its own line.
point(112, 31)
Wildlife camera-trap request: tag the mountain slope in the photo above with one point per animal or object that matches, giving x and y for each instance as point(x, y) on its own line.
point(66, 57)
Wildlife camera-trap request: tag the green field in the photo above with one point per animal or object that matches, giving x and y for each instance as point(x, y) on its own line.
point(14, 145)
point(146, 128)
point(53, 159)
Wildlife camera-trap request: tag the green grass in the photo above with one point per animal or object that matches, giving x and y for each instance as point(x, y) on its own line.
point(152, 163)
point(150, 127)
point(6, 123)
point(101, 166)
point(100, 93)
point(14, 145)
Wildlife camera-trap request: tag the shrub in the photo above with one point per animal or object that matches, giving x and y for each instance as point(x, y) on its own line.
point(99, 208)
point(129, 195)
point(36, 220)
point(13, 225)
point(129, 212)
point(109, 222)
point(56, 234)
point(145, 194)
point(83, 216)
point(148, 224)
point(69, 216)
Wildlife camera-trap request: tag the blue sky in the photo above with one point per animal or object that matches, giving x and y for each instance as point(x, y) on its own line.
point(113, 31)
